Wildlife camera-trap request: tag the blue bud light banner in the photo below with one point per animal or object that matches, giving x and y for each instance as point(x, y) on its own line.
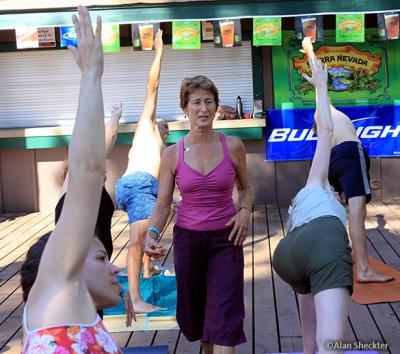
point(68, 36)
point(290, 136)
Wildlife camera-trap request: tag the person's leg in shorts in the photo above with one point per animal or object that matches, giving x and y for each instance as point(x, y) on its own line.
point(352, 174)
point(331, 307)
point(331, 280)
point(313, 264)
point(136, 194)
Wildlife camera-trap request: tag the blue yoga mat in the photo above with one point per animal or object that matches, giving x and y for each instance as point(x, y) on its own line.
point(159, 290)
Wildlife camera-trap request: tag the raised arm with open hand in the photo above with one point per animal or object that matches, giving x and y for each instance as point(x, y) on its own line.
point(70, 242)
point(318, 176)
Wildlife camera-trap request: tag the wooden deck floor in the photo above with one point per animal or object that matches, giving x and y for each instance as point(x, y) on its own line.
point(272, 320)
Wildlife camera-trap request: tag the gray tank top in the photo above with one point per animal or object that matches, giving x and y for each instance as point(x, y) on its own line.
point(311, 203)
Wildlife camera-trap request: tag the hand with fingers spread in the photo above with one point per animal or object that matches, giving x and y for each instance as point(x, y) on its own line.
point(319, 77)
point(89, 53)
point(240, 223)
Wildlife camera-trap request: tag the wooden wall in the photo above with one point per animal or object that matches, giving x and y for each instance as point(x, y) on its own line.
point(30, 180)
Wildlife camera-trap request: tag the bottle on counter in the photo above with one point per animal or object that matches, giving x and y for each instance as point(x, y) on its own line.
point(239, 107)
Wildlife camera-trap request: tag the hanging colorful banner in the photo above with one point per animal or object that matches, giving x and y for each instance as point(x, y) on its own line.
point(227, 33)
point(207, 30)
point(143, 35)
point(290, 136)
point(267, 31)
point(359, 73)
point(27, 37)
point(388, 25)
point(186, 35)
point(309, 27)
point(68, 36)
point(47, 37)
point(110, 37)
point(350, 28)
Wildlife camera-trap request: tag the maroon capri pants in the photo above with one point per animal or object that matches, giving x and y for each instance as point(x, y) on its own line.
point(209, 276)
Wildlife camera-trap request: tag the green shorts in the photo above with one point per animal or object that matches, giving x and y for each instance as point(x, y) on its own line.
point(315, 256)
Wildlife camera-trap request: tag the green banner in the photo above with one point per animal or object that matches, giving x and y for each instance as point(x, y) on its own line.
point(110, 37)
point(186, 35)
point(350, 28)
point(267, 31)
point(359, 73)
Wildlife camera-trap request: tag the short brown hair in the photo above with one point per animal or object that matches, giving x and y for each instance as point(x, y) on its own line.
point(190, 84)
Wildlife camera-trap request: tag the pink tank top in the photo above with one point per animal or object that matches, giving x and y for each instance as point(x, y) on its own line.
point(206, 198)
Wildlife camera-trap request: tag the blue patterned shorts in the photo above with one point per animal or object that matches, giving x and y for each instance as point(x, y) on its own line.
point(136, 194)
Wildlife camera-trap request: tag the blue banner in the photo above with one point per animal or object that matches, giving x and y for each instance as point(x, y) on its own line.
point(290, 136)
point(68, 36)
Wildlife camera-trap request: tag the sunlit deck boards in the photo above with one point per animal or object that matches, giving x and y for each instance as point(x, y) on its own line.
point(272, 321)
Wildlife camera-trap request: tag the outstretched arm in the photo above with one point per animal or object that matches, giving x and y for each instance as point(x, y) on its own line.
point(69, 244)
point(162, 208)
point(319, 168)
point(150, 104)
point(240, 221)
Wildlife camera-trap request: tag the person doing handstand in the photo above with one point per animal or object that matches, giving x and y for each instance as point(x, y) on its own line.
point(136, 192)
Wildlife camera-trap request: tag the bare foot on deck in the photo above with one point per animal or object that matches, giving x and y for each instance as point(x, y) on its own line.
point(143, 307)
point(148, 272)
point(371, 276)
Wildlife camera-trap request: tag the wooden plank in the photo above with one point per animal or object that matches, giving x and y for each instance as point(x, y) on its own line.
point(9, 262)
point(388, 324)
point(12, 224)
point(288, 321)
point(265, 322)
point(248, 291)
point(11, 326)
point(7, 219)
point(15, 239)
point(378, 240)
point(185, 347)
point(270, 328)
point(363, 324)
point(14, 344)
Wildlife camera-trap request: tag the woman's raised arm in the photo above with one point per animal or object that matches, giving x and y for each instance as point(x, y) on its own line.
point(68, 246)
point(319, 168)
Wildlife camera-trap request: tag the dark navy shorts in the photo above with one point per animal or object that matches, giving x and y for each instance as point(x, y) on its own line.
point(209, 276)
point(136, 194)
point(349, 170)
point(315, 256)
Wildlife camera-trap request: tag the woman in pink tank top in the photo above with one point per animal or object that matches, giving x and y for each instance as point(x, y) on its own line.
point(209, 230)
point(70, 269)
